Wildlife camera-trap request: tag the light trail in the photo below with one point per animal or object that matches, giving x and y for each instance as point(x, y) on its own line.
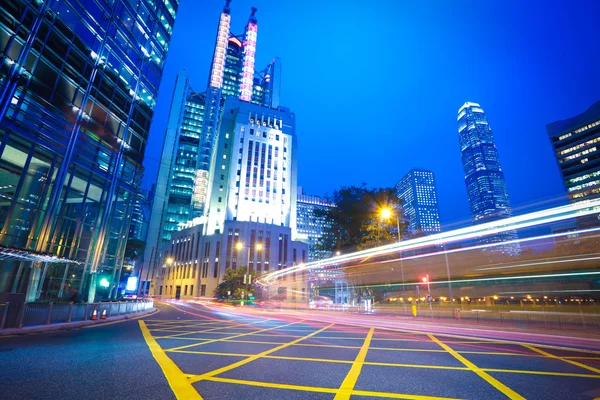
point(537, 218)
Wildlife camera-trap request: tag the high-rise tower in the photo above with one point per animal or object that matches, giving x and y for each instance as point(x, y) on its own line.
point(419, 201)
point(486, 187)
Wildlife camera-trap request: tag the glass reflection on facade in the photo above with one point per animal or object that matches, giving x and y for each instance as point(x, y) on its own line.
point(78, 86)
point(486, 187)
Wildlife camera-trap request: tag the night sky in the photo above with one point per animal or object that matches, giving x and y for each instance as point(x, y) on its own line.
point(376, 85)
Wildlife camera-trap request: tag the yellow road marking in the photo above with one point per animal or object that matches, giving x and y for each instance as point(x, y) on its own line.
point(521, 371)
point(180, 385)
point(208, 330)
point(230, 337)
point(348, 384)
point(323, 390)
point(256, 356)
point(511, 394)
point(578, 364)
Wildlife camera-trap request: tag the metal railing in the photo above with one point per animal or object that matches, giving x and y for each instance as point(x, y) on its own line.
point(46, 314)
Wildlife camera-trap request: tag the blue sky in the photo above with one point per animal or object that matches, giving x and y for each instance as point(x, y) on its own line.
point(376, 85)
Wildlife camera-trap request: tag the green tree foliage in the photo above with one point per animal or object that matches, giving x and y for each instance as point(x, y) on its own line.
point(356, 222)
point(233, 281)
point(134, 249)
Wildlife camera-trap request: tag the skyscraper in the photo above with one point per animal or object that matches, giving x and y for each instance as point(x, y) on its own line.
point(576, 142)
point(190, 137)
point(312, 225)
point(486, 187)
point(419, 201)
point(78, 88)
point(252, 200)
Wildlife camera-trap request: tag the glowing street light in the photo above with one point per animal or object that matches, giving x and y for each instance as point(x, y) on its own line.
point(169, 260)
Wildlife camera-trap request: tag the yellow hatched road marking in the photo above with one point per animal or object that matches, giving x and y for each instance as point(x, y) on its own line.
point(255, 357)
point(578, 364)
point(324, 390)
point(348, 384)
point(521, 371)
point(511, 394)
point(182, 388)
point(229, 337)
point(206, 331)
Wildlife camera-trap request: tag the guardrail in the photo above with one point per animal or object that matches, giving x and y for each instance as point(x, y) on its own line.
point(32, 314)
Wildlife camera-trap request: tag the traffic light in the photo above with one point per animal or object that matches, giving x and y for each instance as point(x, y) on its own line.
point(424, 279)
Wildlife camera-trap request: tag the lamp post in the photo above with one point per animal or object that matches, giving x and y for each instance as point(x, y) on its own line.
point(169, 261)
point(386, 213)
point(240, 246)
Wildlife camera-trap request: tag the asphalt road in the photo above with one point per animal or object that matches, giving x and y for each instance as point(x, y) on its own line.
point(193, 351)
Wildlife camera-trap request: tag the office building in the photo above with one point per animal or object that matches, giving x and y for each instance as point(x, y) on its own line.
point(183, 177)
point(486, 187)
point(79, 85)
point(252, 200)
point(312, 223)
point(576, 142)
point(419, 201)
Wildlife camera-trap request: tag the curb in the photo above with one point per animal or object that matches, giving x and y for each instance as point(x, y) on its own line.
point(73, 325)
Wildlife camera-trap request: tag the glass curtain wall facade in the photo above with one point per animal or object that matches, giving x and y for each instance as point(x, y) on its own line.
point(79, 81)
point(576, 144)
point(486, 187)
point(312, 223)
point(419, 201)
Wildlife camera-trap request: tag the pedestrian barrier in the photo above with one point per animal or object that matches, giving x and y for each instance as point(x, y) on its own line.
point(32, 314)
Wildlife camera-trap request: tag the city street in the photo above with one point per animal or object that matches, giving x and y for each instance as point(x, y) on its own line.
point(193, 351)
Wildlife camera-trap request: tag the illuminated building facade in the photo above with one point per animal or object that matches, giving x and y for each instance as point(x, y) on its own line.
point(486, 187)
point(252, 200)
point(311, 224)
point(419, 201)
point(183, 177)
point(576, 144)
point(79, 85)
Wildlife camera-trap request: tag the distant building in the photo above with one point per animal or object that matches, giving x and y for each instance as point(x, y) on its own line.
point(140, 216)
point(419, 201)
point(576, 143)
point(311, 226)
point(486, 187)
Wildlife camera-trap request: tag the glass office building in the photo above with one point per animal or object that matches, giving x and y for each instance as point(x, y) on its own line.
point(312, 223)
point(78, 87)
point(486, 187)
point(576, 144)
point(419, 201)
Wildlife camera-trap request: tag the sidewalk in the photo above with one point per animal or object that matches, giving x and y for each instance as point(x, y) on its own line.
point(73, 325)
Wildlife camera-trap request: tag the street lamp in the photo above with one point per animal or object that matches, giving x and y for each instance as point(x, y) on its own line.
point(386, 214)
point(240, 246)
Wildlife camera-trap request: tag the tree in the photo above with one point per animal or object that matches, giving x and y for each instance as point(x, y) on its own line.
point(233, 282)
point(356, 221)
point(134, 249)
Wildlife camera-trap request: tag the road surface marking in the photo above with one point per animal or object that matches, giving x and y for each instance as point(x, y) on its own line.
point(230, 337)
point(256, 356)
point(521, 371)
point(323, 390)
point(511, 394)
point(348, 384)
point(182, 388)
point(578, 364)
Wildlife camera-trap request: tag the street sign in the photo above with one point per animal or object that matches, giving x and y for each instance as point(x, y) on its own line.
point(251, 298)
point(243, 295)
point(428, 297)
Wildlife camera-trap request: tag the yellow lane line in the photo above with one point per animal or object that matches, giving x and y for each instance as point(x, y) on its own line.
point(182, 388)
point(578, 364)
point(520, 371)
point(203, 331)
point(323, 390)
point(348, 384)
point(256, 356)
point(230, 337)
point(508, 392)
